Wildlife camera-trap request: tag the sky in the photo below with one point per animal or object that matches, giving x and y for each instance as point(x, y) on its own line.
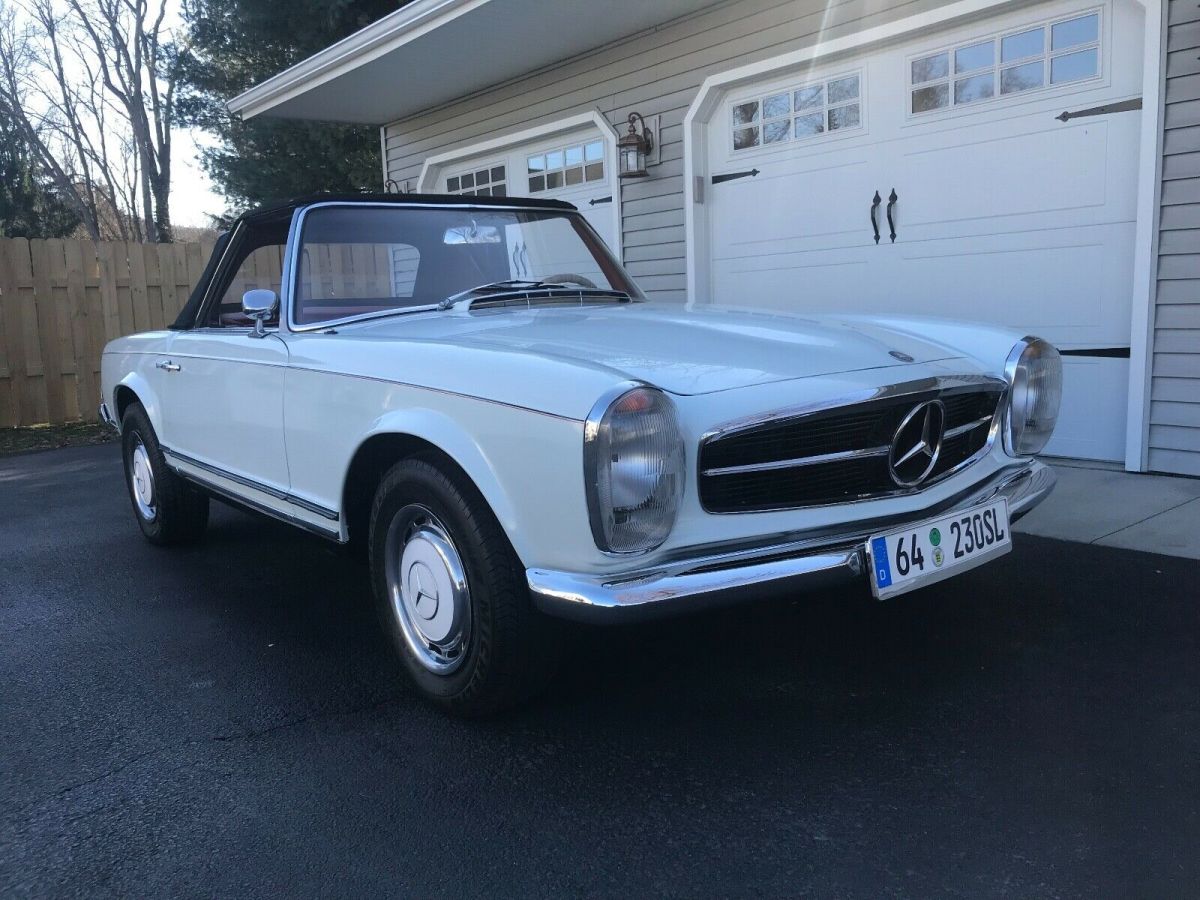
point(193, 196)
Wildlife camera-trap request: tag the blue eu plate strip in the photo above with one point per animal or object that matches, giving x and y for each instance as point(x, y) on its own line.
point(883, 569)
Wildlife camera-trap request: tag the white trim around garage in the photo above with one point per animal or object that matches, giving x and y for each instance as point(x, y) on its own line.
point(430, 169)
point(1145, 259)
point(696, 172)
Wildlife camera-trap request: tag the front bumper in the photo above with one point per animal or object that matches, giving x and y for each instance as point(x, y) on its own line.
point(787, 566)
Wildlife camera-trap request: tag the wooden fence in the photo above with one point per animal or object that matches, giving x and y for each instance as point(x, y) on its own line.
point(62, 300)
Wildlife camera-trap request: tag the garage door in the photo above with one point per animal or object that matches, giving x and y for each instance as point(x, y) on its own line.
point(574, 167)
point(934, 178)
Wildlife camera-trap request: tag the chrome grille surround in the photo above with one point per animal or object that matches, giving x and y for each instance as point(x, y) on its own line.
point(751, 447)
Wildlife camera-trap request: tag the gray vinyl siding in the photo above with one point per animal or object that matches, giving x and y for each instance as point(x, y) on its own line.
point(655, 73)
point(1174, 440)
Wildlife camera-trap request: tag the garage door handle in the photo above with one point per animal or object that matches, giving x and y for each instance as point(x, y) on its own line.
point(875, 221)
point(891, 206)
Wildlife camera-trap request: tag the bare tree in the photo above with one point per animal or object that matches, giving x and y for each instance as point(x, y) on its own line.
point(91, 84)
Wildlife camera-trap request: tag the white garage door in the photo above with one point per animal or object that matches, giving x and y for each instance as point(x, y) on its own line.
point(574, 167)
point(1001, 212)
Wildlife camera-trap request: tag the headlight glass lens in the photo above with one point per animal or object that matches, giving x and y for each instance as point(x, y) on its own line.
point(634, 467)
point(1035, 392)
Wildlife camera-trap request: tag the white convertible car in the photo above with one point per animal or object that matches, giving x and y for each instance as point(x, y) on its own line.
point(475, 393)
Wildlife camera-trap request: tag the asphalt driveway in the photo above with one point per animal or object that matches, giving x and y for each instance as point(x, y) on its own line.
point(227, 721)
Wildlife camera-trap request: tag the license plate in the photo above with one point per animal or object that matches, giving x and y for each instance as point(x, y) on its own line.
point(925, 552)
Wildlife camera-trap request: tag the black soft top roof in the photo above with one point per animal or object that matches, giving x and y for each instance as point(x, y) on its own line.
point(281, 211)
point(281, 208)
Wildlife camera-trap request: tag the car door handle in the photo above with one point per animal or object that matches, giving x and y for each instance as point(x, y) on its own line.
point(891, 206)
point(874, 220)
point(166, 366)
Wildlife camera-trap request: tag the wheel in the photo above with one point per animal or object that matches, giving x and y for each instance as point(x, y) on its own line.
point(167, 508)
point(452, 594)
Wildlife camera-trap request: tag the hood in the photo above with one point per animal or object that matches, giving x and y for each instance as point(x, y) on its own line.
point(681, 351)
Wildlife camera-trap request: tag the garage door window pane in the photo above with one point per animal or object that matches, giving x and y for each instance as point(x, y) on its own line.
point(808, 97)
point(497, 174)
point(813, 123)
point(595, 150)
point(773, 132)
point(843, 89)
point(1022, 78)
point(935, 97)
point(554, 180)
point(744, 138)
point(777, 106)
point(843, 117)
point(1073, 66)
point(537, 183)
point(977, 87)
point(1075, 32)
point(554, 160)
point(977, 56)
point(1023, 45)
point(594, 171)
point(574, 175)
point(930, 68)
point(745, 113)
point(452, 185)
point(574, 156)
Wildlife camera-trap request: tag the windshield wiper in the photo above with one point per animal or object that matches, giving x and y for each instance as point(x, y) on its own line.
point(509, 284)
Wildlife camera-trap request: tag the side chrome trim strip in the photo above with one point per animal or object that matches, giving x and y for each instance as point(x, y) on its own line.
point(799, 461)
point(246, 503)
point(308, 505)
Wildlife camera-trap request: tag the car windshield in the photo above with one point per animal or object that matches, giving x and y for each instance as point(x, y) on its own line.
point(358, 260)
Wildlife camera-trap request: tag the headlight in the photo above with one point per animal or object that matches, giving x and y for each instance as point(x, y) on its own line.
point(1034, 371)
point(633, 467)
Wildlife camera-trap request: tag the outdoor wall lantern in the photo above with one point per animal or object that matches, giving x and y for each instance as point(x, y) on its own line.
point(634, 147)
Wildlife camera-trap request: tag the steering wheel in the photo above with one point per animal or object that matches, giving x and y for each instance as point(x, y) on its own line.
point(568, 278)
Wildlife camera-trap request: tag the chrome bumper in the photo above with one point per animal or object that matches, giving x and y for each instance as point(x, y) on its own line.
point(106, 417)
point(786, 566)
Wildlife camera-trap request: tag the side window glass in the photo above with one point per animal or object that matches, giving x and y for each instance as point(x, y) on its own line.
point(261, 268)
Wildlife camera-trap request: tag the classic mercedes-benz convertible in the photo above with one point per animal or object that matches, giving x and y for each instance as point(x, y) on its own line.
point(475, 393)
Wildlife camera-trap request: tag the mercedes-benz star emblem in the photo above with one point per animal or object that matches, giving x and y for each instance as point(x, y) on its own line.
point(424, 590)
point(917, 443)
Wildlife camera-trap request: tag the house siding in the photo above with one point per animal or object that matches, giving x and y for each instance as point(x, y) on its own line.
point(1174, 438)
point(655, 73)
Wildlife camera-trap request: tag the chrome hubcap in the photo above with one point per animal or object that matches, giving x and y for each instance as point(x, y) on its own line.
point(427, 588)
point(141, 478)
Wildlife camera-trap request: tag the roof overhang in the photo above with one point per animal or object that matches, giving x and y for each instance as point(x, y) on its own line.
point(430, 52)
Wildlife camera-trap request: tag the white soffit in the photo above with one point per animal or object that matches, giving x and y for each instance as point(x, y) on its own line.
point(430, 52)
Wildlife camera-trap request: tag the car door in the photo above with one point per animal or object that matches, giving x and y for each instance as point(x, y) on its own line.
point(223, 388)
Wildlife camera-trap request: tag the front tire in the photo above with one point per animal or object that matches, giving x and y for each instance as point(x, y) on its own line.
point(452, 594)
point(167, 508)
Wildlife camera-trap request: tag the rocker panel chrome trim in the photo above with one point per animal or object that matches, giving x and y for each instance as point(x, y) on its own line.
point(308, 505)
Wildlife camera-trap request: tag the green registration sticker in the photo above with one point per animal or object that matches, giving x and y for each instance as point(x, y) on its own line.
point(935, 536)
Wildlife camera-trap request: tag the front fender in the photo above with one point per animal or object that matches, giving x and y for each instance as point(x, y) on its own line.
point(444, 433)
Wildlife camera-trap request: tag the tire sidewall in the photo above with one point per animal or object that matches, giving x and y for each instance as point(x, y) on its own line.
point(135, 427)
point(419, 482)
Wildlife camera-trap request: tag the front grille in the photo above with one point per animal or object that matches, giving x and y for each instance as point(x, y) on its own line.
point(781, 463)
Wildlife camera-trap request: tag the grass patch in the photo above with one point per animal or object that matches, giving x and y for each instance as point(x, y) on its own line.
point(51, 437)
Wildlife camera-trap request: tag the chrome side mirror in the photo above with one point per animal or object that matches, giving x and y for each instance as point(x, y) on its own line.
point(258, 305)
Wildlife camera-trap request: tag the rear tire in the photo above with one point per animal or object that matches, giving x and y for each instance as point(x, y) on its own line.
point(452, 594)
point(168, 509)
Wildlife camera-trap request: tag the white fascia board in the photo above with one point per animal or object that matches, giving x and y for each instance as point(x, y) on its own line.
point(391, 32)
